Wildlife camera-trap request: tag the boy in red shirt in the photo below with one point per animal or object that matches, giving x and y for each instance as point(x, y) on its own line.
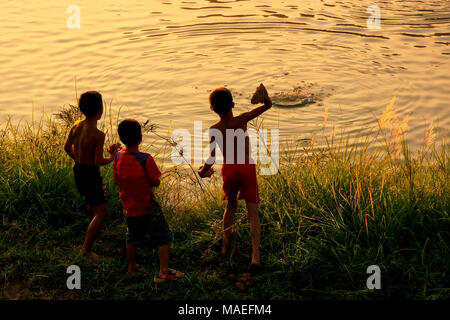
point(136, 174)
point(238, 169)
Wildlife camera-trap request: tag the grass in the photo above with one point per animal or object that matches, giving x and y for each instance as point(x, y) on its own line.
point(330, 213)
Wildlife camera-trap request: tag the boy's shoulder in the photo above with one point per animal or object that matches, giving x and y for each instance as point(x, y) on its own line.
point(139, 156)
point(216, 125)
point(219, 125)
point(81, 125)
point(135, 160)
point(78, 124)
point(143, 154)
point(233, 123)
point(242, 117)
point(100, 133)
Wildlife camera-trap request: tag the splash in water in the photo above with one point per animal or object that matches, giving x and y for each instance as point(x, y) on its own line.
point(300, 96)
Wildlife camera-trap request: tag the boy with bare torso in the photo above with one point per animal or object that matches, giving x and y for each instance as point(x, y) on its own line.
point(85, 145)
point(238, 169)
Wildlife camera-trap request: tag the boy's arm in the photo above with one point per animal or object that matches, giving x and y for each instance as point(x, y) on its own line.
point(99, 159)
point(247, 116)
point(115, 175)
point(206, 170)
point(68, 146)
point(153, 172)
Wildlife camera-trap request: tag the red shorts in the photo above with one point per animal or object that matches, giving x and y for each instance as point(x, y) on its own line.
point(240, 178)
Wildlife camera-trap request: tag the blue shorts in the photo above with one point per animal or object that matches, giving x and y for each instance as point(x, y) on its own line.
point(153, 225)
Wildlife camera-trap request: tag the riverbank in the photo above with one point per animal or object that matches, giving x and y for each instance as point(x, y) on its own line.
point(325, 218)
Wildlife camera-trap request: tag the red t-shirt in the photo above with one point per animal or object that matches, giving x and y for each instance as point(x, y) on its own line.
point(134, 181)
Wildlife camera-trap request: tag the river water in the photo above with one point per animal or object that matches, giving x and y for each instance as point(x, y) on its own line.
point(159, 60)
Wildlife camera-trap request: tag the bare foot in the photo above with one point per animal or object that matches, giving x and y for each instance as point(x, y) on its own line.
point(91, 255)
point(179, 274)
point(172, 275)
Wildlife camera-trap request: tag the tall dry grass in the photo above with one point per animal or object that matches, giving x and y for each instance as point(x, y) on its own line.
point(333, 210)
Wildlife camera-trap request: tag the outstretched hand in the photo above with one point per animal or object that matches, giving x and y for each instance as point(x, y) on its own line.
point(114, 148)
point(266, 99)
point(206, 174)
point(261, 96)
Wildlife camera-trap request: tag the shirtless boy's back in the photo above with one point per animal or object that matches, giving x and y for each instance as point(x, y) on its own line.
point(85, 137)
point(238, 169)
point(85, 146)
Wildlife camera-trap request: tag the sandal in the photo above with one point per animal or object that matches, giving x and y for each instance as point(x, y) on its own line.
point(172, 275)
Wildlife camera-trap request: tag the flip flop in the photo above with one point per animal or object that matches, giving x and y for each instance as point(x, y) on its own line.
point(172, 275)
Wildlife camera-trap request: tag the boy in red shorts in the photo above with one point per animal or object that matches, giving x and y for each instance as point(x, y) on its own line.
point(238, 169)
point(136, 174)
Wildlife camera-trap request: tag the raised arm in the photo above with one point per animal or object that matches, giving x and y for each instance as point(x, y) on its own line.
point(247, 116)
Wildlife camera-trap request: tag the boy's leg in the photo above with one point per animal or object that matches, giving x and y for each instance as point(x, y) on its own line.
point(164, 270)
point(91, 212)
point(163, 252)
point(163, 236)
point(93, 230)
point(255, 231)
point(131, 254)
point(228, 217)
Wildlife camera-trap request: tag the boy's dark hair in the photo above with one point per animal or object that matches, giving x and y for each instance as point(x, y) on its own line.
point(90, 103)
point(221, 101)
point(130, 132)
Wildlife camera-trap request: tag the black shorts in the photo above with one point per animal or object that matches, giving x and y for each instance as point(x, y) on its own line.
point(153, 225)
point(89, 183)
